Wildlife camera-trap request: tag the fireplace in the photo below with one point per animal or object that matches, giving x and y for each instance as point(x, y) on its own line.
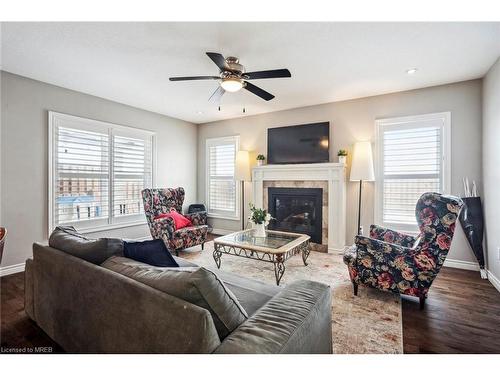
point(297, 210)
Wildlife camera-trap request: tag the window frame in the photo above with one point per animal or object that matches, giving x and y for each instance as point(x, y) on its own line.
point(401, 123)
point(112, 222)
point(218, 141)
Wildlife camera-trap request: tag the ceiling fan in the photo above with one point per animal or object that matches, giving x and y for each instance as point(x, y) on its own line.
point(232, 77)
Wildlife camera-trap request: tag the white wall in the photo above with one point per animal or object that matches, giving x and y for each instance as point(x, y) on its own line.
point(491, 166)
point(353, 120)
point(24, 177)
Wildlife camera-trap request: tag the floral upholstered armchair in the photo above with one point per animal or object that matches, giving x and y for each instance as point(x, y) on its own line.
point(401, 263)
point(161, 201)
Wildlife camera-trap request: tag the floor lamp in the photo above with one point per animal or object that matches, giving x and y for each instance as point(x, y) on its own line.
point(242, 173)
point(362, 170)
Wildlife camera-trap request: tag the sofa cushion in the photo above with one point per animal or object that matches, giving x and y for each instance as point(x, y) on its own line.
point(252, 294)
point(68, 240)
point(196, 285)
point(153, 252)
point(183, 262)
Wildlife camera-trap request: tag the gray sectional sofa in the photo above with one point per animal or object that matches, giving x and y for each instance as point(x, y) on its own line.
point(119, 306)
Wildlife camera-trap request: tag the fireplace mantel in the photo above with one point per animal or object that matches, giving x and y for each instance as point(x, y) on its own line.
point(333, 173)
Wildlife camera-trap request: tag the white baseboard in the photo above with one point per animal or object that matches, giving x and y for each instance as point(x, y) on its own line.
point(223, 232)
point(335, 250)
point(494, 280)
point(462, 264)
point(9, 270)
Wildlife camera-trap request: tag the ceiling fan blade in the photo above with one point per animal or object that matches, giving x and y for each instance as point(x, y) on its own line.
point(218, 59)
point(258, 91)
point(217, 95)
point(195, 78)
point(276, 73)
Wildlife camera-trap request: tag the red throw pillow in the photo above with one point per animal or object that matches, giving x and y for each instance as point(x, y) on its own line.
point(180, 221)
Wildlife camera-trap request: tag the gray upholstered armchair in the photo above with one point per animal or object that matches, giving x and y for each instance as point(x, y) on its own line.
point(159, 201)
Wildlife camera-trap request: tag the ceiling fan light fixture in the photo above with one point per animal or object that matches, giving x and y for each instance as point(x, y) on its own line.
point(232, 84)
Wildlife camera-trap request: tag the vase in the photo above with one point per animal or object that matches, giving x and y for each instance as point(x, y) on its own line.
point(260, 162)
point(259, 230)
point(471, 218)
point(342, 159)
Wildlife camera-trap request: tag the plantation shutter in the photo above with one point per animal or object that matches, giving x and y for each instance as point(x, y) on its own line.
point(81, 181)
point(411, 163)
point(132, 172)
point(221, 154)
point(97, 171)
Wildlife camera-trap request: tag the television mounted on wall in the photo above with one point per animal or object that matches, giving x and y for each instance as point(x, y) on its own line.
point(308, 143)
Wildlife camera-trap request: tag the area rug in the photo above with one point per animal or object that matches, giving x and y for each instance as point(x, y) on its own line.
point(368, 323)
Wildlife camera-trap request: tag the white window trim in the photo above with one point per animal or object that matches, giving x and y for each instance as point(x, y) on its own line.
point(54, 116)
point(445, 117)
point(208, 142)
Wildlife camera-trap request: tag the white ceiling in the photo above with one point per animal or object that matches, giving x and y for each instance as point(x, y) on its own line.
point(131, 62)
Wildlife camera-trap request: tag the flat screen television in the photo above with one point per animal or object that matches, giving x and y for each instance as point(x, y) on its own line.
point(297, 144)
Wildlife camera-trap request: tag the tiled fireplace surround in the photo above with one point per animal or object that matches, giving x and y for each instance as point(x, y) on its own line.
point(328, 176)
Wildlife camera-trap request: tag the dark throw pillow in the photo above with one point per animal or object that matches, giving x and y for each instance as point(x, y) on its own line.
point(152, 252)
point(67, 239)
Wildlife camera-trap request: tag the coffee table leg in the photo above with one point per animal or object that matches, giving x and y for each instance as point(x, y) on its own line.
point(279, 268)
point(217, 255)
point(305, 254)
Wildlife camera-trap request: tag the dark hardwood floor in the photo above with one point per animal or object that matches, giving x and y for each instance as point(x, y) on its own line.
point(17, 330)
point(462, 315)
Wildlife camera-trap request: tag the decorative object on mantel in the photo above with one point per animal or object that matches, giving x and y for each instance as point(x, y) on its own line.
point(342, 154)
point(260, 160)
point(242, 173)
point(362, 170)
point(260, 219)
point(471, 219)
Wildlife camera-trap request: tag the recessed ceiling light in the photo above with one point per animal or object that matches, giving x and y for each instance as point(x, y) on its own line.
point(200, 112)
point(411, 71)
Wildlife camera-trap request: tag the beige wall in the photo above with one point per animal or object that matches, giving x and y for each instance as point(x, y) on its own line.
point(491, 166)
point(353, 120)
point(24, 106)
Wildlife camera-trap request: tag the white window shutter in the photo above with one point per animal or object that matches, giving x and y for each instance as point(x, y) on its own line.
point(132, 172)
point(97, 172)
point(221, 186)
point(81, 184)
point(411, 161)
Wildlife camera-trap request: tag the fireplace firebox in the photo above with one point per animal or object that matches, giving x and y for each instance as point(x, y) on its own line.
point(297, 210)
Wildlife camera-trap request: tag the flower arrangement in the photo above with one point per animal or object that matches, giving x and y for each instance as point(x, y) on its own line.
point(259, 215)
point(261, 157)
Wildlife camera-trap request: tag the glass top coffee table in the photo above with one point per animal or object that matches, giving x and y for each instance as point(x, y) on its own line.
point(276, 248)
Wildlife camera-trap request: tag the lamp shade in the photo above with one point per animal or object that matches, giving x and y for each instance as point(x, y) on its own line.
point(362, 162)
point(242, 168)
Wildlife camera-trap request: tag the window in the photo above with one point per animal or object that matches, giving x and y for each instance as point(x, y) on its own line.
point(96, 172)
point(222, 190)
point(413, 157)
